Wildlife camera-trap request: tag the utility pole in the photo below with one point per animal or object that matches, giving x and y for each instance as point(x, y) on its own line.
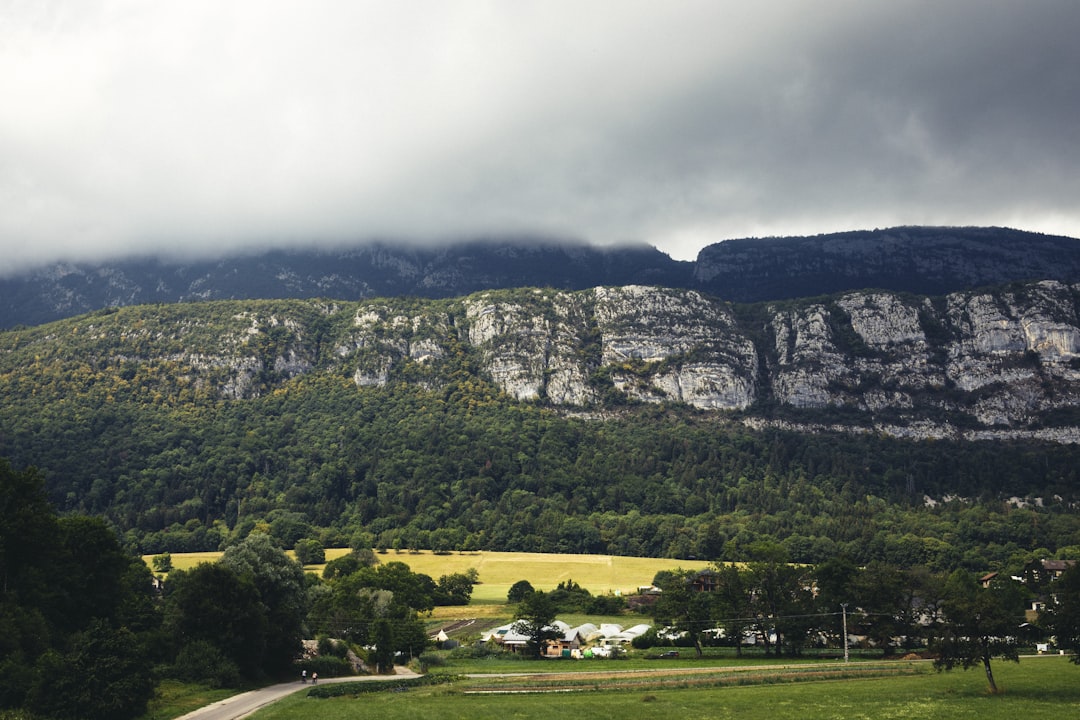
point(843, 608)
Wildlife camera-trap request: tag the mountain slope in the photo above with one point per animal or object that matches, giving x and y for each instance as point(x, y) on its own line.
point(924, 260)
point(375, 270)
point(633, 420)
point(919, 260)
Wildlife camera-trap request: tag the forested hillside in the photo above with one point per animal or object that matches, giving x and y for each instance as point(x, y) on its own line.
point(392, 422)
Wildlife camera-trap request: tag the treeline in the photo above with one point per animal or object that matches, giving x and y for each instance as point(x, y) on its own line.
point(835, 604)
point(465, 468)
point(86, 632)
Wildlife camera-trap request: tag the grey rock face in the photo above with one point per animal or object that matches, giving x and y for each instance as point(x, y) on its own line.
point(970, 364)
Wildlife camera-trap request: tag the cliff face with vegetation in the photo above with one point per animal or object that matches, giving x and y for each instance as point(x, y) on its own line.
point(631, 420)
point(981, 364)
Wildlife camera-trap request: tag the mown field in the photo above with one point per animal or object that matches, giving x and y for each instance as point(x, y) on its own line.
point(1036, 688)
point(599, 574)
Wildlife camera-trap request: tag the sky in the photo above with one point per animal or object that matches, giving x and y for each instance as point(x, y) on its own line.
point(199, 128)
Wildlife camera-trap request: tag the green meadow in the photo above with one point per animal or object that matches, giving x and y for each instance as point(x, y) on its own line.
point(1037, 687)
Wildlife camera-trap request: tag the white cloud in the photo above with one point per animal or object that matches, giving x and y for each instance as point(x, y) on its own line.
point(130, 126)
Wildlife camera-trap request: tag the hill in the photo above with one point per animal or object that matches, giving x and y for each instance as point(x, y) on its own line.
point(923, 260)
point(627, 421)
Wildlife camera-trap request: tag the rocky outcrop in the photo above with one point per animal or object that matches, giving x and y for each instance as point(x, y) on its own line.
point(972, 364)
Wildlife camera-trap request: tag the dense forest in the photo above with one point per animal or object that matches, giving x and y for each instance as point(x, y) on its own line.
point(464, 467)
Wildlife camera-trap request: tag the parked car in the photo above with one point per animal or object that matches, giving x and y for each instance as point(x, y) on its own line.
point(670, 654)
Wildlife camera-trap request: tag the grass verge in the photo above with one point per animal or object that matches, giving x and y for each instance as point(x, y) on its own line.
point(174, 698)
point(1034, 689)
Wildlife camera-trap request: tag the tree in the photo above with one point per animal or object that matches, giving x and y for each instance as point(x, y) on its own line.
point(535, 617)
point(1061, 617)
point(310, 551)
point(684, 608)
point(732, 602)
point(384, 645)
point(162, 563)
point(102, 677)
point(518, 591)
point(79, 646)
point(212, 603)
point(454, 589)
point(782, 600)
point(281, 590)
point(879, 593)
point(980, 623)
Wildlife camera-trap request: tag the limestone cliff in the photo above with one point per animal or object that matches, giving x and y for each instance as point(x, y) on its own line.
point(1004, 363)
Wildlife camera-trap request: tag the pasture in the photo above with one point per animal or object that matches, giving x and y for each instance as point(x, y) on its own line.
point(1037, 688)
point(498, 571)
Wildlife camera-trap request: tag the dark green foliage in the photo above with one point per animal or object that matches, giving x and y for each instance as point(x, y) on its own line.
point(535, 615)
point(373, 605)
point(310, 552)
point(569, 597)
point(78, 625)
point(453, 589)
point(200, 661)
point(326, 666)
point(1061, 618)
point(101, 677)
point(981, 623)
point(370, 686)
point(609, 604)
point(281, 591)
point(212, 604)
point(518, 591)
point(383, 637)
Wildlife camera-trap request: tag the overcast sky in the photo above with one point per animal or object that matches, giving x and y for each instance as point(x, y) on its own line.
point(200, 127)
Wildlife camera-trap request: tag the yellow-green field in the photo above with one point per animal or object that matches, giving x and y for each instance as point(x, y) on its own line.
point(599, 574)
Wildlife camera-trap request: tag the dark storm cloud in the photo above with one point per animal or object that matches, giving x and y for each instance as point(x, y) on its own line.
point(203, 127)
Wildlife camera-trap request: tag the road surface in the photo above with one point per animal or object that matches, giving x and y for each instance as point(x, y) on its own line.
point(244, 704)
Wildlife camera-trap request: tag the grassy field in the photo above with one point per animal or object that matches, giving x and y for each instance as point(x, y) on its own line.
point(1035, 689)
point(599, 574)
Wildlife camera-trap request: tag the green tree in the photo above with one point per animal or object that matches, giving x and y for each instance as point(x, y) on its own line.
point(518, 591)
point(535, 617)
point(454, 589)
point(384, 645)
point(102, 677)
point(213, 604)
point(879, 593)
point(732, 602)
point(1061, 618)
point(683, 607)
point(981, 623)
point(281, 591)
point(310, 551)
point(782, 601)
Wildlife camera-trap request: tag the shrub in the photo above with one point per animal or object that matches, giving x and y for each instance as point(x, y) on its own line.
point(326, 666)
point(202, 662)
point(473, 652)
point(429, 660)
point(359, 688)
point(310, 552)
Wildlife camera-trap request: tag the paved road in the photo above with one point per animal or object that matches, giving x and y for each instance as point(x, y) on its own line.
point(244, 704)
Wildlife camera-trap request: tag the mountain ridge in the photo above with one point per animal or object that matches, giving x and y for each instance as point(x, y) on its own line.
point(924, 260)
